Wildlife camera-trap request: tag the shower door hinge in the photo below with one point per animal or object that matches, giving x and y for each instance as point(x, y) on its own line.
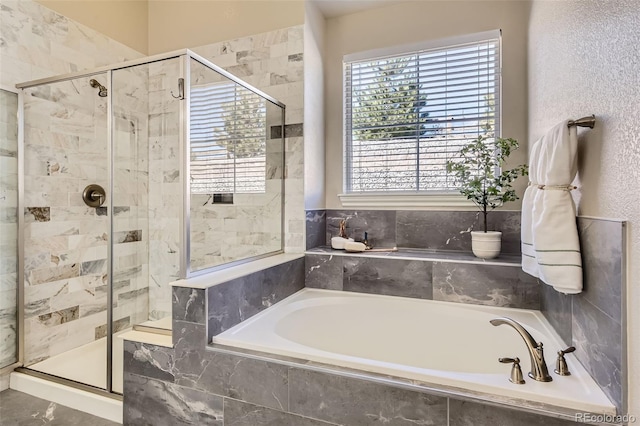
point(180, 89)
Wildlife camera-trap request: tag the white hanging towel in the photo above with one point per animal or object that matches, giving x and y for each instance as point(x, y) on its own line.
point(550, 245)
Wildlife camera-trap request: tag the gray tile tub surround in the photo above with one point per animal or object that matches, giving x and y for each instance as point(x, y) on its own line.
point(255, 392)
point(451, 230)
point(380, 224)
point(316, 228)
point(494, 285)
point(593, 320)
point(234, 301)
point(478, 284)
point(436, 230)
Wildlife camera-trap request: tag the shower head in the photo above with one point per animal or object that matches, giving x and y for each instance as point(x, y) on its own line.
point(103, 90)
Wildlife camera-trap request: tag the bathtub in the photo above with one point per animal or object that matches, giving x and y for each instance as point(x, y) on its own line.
point(435, 343)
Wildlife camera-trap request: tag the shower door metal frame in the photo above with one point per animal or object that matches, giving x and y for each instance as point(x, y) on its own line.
point(20, 243)
point(185, 260)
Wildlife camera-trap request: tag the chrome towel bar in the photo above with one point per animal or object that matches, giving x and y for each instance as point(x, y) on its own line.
point(589, 122)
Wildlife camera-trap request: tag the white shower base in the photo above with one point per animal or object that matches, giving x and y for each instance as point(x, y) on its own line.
point(87, 363)
point(98, 405)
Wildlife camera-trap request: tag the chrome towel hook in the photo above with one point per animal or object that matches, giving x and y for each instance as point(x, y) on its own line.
point(180, 89)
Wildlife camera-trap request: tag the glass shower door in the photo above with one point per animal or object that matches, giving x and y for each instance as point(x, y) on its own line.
point(65, 240)
point(146, 189)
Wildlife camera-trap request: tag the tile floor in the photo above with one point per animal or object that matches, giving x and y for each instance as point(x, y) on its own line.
point(20, 409)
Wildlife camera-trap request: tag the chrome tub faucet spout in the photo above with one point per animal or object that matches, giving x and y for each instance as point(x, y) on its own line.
point(539, 369)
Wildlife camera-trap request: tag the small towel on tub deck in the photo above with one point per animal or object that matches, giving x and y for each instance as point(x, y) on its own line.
point(550, 245)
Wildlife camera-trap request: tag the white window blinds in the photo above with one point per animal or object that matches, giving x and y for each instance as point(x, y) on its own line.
point(228, 139)
point(406, 114)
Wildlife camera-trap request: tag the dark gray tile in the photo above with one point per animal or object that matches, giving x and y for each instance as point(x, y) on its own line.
point(598, 341)
point(188, 304)
point(60, 317)
point(295, 58)
point(323, 271)
point(355, 402)
point(601, 244)
point(465, 413)
point(507, 222)
point(380, 224)
point(258, 382)
point(237, 413)
point(150, 361)
point(18, 408)
point(492, 285)
point(316, 228)
point(127, 236)
point(290, 130)
point(450, 230)
point(153, 402)
point(223, 311)
point(556, 307)
point(118, 325)
point(189, 335)
point(234, 301)
point(37, 214)
point(393, 277)
point(436, 230)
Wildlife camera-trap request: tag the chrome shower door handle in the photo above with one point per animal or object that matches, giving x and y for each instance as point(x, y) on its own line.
point(94, 195)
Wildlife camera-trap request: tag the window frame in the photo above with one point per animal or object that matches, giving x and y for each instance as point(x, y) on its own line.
point(415, 199)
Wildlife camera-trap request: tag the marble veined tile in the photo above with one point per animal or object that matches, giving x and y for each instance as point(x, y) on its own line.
point(154, 402)
point(356, 402)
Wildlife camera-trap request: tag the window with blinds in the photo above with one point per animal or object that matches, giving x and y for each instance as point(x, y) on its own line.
point(228, 139)
point(406, 114)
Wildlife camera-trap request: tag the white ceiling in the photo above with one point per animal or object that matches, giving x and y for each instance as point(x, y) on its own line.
point(333, 8)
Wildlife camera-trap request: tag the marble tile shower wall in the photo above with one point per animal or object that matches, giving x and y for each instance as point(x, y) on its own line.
point(273, 62)
point(36, 42)
point(223, 233)
point(8, 226)
point(65, 240)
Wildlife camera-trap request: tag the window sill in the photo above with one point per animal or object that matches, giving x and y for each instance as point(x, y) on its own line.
point(406, 200)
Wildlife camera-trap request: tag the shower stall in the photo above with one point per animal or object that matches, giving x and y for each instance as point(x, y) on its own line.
point(133, 176)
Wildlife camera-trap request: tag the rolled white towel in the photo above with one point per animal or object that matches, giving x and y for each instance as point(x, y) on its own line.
point(354, 247)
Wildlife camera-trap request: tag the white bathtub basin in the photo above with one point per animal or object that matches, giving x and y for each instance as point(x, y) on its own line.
point(435, 342)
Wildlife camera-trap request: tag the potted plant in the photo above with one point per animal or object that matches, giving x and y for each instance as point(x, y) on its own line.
point(479, 172)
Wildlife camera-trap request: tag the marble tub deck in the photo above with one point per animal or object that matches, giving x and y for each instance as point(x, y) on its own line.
point(17, 408)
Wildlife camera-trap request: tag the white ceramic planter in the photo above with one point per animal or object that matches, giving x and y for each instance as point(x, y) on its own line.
point(486, 245)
